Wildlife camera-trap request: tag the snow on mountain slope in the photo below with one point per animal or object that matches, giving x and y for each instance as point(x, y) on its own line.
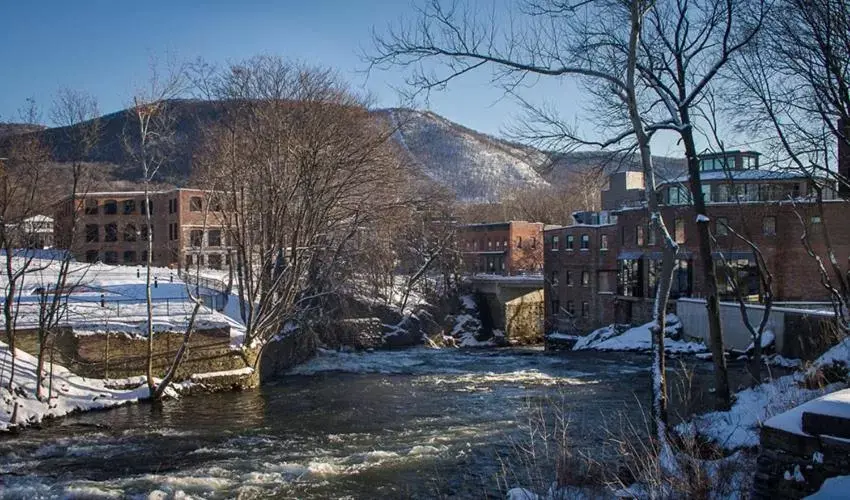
point(475, 166)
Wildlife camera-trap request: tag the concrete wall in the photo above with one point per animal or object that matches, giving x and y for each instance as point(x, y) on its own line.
point(799, 333)
point(524, 319)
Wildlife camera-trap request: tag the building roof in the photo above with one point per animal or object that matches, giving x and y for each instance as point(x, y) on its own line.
point(742, 175)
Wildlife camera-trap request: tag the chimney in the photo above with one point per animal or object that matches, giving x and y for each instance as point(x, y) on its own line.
point(844, 156)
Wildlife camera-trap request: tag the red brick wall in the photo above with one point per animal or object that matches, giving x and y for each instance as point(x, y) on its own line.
point(501, 241)
point(795, 273)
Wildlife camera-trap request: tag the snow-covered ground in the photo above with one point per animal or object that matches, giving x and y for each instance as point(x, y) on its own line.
point(638, 338)
point(121, 290)
point(70, 392)
point(739, 427)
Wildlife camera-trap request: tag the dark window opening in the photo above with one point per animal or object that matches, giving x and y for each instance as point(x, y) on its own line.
point(129, 207)
point(130, 233)
point(196, 237)
point(215, 261)
point(214, 238)
point(92, 233)
point(196, 204)
point(129, 257)
point(91, 207)
point(110, 232)
point(110, 207)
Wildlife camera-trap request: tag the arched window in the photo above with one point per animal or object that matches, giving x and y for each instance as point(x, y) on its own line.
point(110, 207)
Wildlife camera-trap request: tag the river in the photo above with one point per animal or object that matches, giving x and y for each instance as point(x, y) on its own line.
point(417, 423)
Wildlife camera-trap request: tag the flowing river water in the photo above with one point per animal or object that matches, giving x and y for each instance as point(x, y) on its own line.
point(417, 423)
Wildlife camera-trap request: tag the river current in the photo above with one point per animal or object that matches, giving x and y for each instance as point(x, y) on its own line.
point(417, 423)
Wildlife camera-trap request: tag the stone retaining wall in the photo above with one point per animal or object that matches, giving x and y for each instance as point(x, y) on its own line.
point(792, 466)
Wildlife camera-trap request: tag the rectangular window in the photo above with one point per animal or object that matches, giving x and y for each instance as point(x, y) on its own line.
point(555, 307)
point(91, 207)
point(639, 235)
point(585, 309)
point(188, 260)
point(214, 238)
point(555, 243)
point(196, 204)
point(737, 273)
point(571, 308)
point(111, 233)
point(129, 257)
point(554, 279)
point(110, 207)
point(214, 261)
point(706, 193)
point(110, 257)
point(630, 278)
point(816, 219)
point(768, 226)
point(585, 278)
point(679, 230)
point(603, 242)
point(570, 242)
point(585, 242)
point(147, 205)
point(721, 226)
point(196, 237)
point(92, 233)
point(569, 278)
point(129, 207)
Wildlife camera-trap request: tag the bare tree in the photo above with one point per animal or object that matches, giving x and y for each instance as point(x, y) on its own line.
point(21, 177)
point(77, 115)
point(307, 171)
point(795, 79)
point(150, 143)
point(600, 43)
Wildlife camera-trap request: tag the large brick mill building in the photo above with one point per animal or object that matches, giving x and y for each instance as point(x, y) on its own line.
point(604, 268)
point(187, 228)
point(504, 248)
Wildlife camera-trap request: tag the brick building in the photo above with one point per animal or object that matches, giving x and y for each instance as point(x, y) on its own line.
point(506, 248)
point(111, 228)
point(604, 270)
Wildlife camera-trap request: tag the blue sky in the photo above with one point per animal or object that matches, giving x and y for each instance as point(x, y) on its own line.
point(104, 48)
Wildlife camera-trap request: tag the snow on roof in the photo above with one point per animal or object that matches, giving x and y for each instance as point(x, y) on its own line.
point(741, 175)
point(39, 219)
point(836, 404)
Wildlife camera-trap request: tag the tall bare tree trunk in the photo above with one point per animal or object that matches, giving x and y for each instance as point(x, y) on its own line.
point(712, 299)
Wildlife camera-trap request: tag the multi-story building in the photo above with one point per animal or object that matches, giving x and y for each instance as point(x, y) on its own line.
point(611, 274)
point(33, 232)
point(506, 248)
point(186, 230)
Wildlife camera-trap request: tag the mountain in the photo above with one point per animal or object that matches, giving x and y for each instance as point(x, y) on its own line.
point(476, 166)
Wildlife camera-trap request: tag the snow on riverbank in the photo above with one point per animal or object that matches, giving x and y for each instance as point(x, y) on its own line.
point(638, 338)
point(739, 427)
point(70, 392)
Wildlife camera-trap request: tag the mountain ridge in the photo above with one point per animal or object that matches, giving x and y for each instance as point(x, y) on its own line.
point(477, 167)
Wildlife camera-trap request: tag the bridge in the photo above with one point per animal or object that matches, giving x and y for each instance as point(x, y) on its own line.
point(512, 304)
